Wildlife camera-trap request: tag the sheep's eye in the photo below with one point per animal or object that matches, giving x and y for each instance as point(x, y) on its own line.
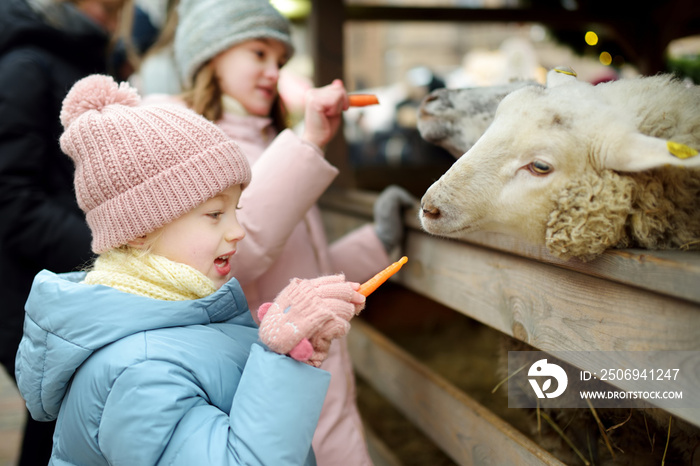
point(539, 168)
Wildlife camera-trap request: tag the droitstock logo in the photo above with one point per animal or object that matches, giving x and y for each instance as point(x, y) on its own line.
point(604, 379)
point(541, 369)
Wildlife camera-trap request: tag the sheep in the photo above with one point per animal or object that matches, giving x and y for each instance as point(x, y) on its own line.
point(580, 168)
point(455, 118)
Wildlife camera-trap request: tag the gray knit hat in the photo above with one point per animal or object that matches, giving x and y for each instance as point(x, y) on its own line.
point(209, 27)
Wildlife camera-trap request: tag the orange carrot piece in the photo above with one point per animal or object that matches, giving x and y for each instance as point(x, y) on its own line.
point(362, 100)
point(373, 283)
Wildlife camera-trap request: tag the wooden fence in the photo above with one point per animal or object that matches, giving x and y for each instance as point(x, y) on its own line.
point(626, 300)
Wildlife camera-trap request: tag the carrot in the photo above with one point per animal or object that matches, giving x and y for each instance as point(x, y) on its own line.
point(373, 283)
point(363, 100)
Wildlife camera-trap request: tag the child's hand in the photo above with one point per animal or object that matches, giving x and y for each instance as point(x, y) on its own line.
point(324, 112)
point(307, 315)
point(388, 215)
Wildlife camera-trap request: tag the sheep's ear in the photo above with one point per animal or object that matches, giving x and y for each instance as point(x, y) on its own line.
point(560, 75)
point(637, 152)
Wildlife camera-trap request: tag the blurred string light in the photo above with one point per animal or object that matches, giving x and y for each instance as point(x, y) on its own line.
point(605, 58)
point(293, 9)
point(591, 38)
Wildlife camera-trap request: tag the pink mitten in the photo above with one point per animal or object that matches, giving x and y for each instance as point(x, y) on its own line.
point(307, 315)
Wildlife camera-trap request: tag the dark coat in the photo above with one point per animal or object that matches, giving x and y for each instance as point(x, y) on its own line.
point(41, 226)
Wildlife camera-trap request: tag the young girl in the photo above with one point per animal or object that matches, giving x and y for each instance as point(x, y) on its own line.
point(229, 55)
point(152, 357)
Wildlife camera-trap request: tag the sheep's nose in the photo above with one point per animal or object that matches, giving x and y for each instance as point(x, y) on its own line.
point(430, 211)
point(431, 97)
point(439, 97)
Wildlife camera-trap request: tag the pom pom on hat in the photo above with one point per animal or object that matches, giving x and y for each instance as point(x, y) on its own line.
point(139, 167)
point(94, 93)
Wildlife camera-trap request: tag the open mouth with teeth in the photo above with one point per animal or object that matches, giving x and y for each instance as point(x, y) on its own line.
point(223, 267)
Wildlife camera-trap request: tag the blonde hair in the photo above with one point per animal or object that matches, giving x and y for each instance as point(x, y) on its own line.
point(205, 98)
point(149, 242)
point(147, 247)
point(205, 95)
point(124, 30)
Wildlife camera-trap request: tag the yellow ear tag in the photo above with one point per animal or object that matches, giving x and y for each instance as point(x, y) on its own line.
point(566, 70)
point(681, 150)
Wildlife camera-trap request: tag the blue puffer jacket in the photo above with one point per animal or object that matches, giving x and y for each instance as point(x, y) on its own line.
point(138, 381)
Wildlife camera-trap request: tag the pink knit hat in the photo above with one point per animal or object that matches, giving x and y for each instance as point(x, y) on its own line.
point(138, 168)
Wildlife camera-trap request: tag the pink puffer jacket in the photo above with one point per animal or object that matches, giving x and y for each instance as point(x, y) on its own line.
point(285, 238)
point(284, 231)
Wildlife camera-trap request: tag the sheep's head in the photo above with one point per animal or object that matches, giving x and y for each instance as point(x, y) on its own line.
point(546, 170)
point(455, 118)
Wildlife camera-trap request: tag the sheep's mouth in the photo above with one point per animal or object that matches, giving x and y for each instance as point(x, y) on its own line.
point(436, 227)
point(460, 231)
point(432, 129)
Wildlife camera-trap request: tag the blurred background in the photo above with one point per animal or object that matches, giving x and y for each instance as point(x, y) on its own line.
point(402, 50)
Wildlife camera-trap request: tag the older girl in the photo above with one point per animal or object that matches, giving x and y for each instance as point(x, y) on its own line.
point(229, 55)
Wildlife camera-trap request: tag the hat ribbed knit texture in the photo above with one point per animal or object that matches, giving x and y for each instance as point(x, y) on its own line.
point(209, 27)
point(138, 168)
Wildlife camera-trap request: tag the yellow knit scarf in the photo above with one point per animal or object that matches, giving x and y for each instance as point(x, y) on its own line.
point(149, 275)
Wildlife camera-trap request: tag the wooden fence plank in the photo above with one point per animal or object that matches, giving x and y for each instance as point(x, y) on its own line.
point(675, 273)
point(464, 429)
point(380, 454)
point(553, 308)
point(547, 307)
